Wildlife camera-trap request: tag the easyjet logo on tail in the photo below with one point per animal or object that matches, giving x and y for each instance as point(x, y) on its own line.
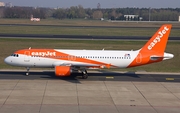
point(158, 37)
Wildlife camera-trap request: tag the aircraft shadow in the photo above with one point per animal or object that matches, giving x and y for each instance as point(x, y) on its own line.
point(74, 76)
point(44, 75)
point(102, 75)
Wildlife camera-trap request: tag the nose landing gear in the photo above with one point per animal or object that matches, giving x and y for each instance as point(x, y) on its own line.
point(27, 73)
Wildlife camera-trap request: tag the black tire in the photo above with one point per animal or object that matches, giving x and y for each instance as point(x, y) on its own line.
point(85, 76)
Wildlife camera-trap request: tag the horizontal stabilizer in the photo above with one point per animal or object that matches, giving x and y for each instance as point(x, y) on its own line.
point(165, 57)
point(156, 57)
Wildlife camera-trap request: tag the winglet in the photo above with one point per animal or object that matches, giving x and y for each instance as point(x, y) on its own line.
point(159, 40)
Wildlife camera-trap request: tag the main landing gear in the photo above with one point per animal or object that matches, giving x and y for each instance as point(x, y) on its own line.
point(84, 74)
point(27, 73)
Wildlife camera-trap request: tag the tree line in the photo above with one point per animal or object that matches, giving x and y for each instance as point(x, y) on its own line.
point(78, 12)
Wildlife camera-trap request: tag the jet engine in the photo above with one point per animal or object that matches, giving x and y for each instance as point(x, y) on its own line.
point(61, 71)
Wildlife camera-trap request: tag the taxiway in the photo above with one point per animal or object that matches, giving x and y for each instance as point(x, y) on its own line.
point(107, 92)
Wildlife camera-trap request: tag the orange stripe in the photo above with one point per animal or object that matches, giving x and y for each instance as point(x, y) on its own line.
point(64, 56)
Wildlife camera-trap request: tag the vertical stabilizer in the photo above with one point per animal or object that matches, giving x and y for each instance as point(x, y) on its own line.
point(159, 40)
point(153, 50)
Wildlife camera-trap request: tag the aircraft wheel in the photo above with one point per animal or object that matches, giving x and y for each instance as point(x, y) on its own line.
point(27, 74)
point(85, 76)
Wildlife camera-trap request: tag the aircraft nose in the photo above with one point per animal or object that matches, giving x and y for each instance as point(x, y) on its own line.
point(7, 60)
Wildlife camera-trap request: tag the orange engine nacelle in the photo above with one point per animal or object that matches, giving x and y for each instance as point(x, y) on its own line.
point(62, 71)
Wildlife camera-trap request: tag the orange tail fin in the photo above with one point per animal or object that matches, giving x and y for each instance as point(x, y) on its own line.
point(159, 40)
point(153, 50)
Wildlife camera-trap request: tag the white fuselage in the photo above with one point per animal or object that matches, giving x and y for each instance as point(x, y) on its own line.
point(117, 59)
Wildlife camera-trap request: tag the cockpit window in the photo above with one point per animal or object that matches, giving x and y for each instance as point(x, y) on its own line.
point(15, 55)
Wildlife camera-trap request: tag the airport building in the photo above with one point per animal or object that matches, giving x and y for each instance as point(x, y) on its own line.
point(131, 17)
point(2, 4)
point(9, 4)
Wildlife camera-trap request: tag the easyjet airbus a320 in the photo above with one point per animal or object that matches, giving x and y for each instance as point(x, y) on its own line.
point(66, 61)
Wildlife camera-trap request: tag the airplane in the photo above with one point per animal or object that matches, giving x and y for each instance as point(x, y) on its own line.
point(66, 61)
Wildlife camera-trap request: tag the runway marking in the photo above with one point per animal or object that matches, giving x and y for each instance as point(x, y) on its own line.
point(109, 77)
point(169, 78)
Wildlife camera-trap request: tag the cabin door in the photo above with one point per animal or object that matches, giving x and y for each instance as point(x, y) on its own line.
point(26, 56)
point(139, 58)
